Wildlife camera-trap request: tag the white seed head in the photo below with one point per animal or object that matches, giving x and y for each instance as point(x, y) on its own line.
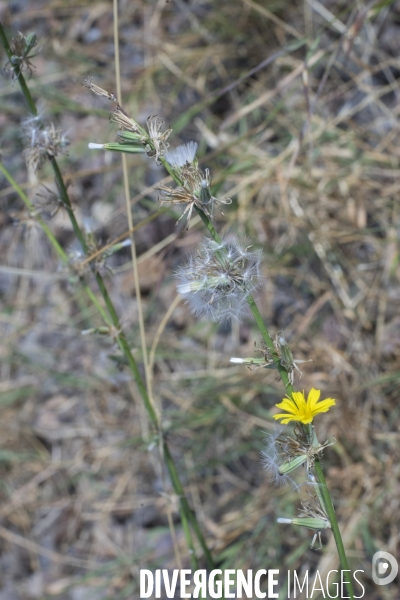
point(42, 142)
point(217, 281)
point(182, 155)
point(238, 361)
point(94, 146)
point(271, 458)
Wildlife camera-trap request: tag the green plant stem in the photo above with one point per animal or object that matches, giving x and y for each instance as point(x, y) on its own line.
point(270, 344)
point(187, 515)
point(334, 524)
point(62, 188)
point(179, 489)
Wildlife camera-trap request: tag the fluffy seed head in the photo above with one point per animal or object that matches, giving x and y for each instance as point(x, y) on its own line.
point(217, 281)
point(43, 142)
point(271, 460)
point(182, 155)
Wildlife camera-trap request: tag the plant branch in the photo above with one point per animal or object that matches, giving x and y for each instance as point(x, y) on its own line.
point(187, 514)
point(289, 390)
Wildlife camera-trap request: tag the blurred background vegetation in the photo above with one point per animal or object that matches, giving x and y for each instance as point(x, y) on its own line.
point(295, 105)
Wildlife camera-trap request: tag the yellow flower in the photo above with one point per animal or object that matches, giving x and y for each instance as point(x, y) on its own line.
point(303, 410)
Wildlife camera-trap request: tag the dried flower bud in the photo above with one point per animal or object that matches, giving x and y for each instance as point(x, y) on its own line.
point(218, 280)
point(120, 117)
point(116, 147)
point(88, 83)
point(195, 191)
point(311, 516)
point(21, 47)
point(158, 139)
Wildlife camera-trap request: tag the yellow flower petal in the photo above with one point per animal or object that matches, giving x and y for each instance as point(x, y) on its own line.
point(287, 405)
point(299, 399)
point(313, 397)
point(324, 405)
point(285, 418)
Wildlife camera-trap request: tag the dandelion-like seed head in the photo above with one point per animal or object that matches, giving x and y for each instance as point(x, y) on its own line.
point(182, 155)
point(42, 143)
point(217, 281)
point(272, 459)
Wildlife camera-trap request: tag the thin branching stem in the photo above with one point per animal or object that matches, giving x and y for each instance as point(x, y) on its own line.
point(187, 515)
point(309, 431)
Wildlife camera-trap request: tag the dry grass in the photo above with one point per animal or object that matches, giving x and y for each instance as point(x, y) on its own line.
point(309, 150)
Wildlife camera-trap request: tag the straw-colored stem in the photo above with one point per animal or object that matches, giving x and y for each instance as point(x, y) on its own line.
point(129, 217)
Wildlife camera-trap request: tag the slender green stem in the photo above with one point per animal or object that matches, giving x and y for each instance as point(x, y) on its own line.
point(334, 524)
point(62, 188)
point(188, 536)
point(179, 489)
point(270, 344)
point(185, 510)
